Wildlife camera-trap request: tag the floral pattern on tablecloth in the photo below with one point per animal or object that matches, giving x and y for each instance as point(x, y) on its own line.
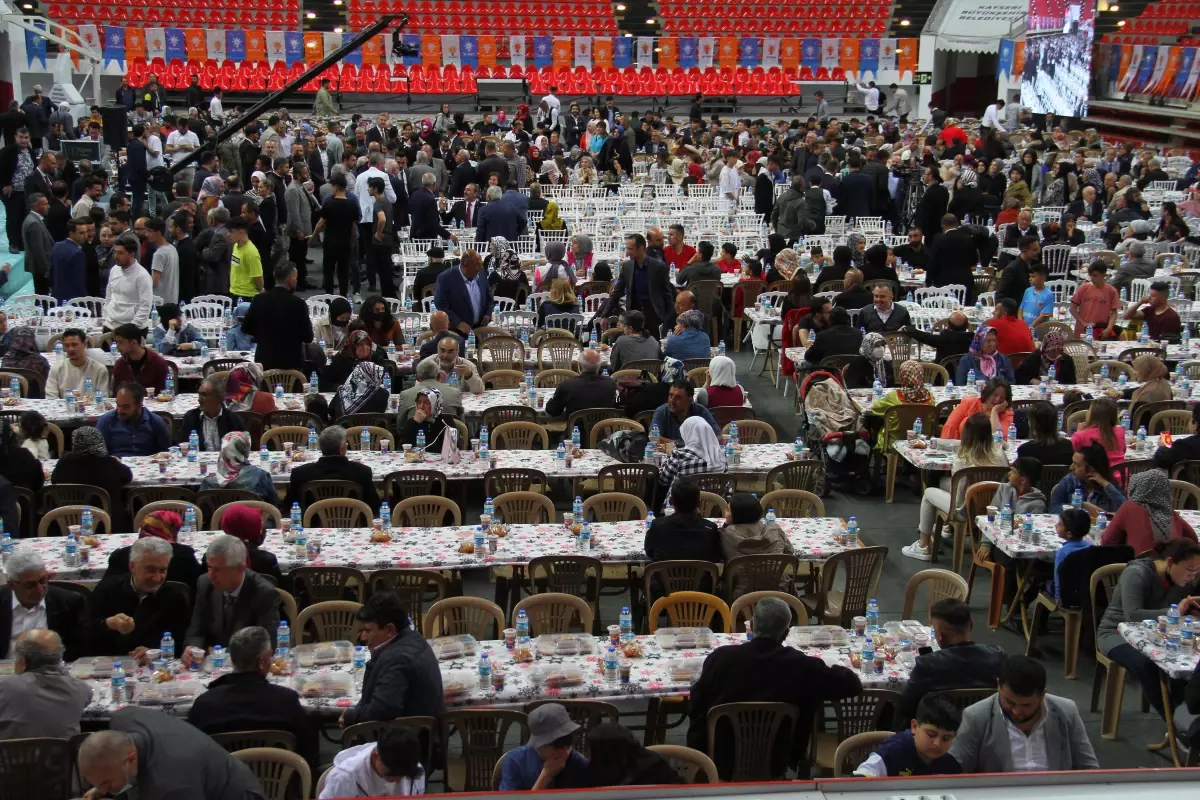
point(942, 458)
point(1179, 665)
point(192, 366)
point(814, 539)
point(1045, 544)
point(650, 676)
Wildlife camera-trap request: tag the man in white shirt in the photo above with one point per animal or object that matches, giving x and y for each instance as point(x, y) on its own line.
point(366, 203)
point(730, 185)
point(91, 194)
point(154, 158)
point(990, 122)
point(216, 112)
point(164, 269)
point(390, 767)
point(870, 94)
point(179, 144)
point(69, 373)
point(130, 291)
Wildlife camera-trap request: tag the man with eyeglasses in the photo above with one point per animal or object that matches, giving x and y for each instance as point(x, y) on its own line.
point(29, 603)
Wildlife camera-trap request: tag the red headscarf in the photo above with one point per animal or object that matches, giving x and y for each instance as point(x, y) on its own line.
point(245, 523)
point(163, 524)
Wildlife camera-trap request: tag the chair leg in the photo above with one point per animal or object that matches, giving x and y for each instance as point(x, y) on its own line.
point(1170, 715)
point(960, 534)
point(1071, 633)
point(1114, 695)
point(1098, 681)
point(996, 596)
point(1031, 627)
point(971, 577)
point(737, 334)
point(893, 461)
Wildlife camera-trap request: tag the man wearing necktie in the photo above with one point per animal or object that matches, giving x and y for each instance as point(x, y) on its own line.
point(230, 597)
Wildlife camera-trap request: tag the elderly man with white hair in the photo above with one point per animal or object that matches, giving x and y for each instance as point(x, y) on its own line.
point(28, 602)
point(230, 597)
point(779, 674)
point(130, 611)
point(148, 754)
point(589, 389)
point(41, 698)
point(449, 361)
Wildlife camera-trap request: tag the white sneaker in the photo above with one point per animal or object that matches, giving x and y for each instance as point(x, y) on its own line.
point(915, 550)
point(947, 535)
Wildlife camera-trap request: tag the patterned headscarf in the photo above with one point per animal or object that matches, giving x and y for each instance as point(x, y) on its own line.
point(672, 368)
point(787, 262)
point(434, 396)
point(1151, 491)
point(912, 383)
point(505, 261)
point(23, 352)
point(1052, 349)
point(241, 385)
point(235, 452)
point(361, 386)
point(987, 361)
point(213, 186)
point(88, 440)
point(968, 177)
point(161, 524)
point(867, 351)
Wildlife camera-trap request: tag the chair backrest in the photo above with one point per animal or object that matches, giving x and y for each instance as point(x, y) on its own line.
point(1146, 411)
point(555, 612)
point(244, 740)
point(758, 573)
point(679, 576)
point(412, 483)
point(553, 378)
point(498, 415)
point(712, 506)
point(375, 435)
point(1175, 422)
point(1101, 586)
point(503, 379)
point(585, 418)
point(321, 584)
point(330, 621)
point(614, 507)
point(270, 512)
point(513, 479)
point(755, 728)
point(1184, 495)
point(483, 733)
point(744, 607)
point(427, 511)
point(524, 508)
point(56, 495)
point(853, 751)
point(806, 475)
point(691, 610)
point(962, 698)
point(274, 438)
point(178, 506)
point(692, 765)
point(338, 512)
point(942, 584)
point(458, 615)
point(793, 503)
point(276, 771)
point(63, 516)
point(635, 479)
point(519, 436)
point(1076, 571)
point(863, 568)
point(36, 769)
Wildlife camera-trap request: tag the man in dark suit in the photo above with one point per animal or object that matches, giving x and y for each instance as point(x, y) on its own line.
point(248, 151)
point(41, 180)
point(28, 602)
point(131, 610)
point(857, 196)
point(428, 275)
point(204, 170)
point(1087, 207)
point(38, 242)
point(953, 258)
point(230, 597)
point(18, 150)
point(464, 294)
point(1022, 227)
point(333, 465)
point(959, 663)
point(491, 164)
point(136, 170)
point(402, 677)
point(589, 390)
point(279, 322)
point(499, 219)
point(465, 212)
point(211, 419)
point(320, 162)
point(779, 674)
point(424, 222)
point(463, 176)
point(244, 700)
point(645, 285)
point(932, 206)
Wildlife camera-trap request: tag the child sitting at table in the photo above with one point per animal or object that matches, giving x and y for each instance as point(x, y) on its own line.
point(728, 262)
point(1020, 491)
point(1072, 527)
point(33, 435)
point(922, 750)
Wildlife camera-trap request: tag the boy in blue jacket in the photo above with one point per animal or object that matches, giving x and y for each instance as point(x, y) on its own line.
point(922, 750)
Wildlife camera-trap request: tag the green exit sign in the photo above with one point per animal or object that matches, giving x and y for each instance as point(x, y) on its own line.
point(922, 78)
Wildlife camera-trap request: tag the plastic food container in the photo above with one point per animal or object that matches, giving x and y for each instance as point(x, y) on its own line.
point(446, 647)
point(684, 670)
point(555, 675)
point(174, 691)
point(819, 636)
point(324, 684)
point(565, 644)
point(96, 667)
point(458, 681)
point(323, 653)
point(683, 638)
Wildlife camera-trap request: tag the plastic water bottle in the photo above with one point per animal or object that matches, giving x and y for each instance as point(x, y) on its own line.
point(1173, 627)
point(453, 379)
point(278, 394)
point(485, 671)
point(89, 388)
point(365, 440)
point(314, 382)
point(1090, 337)
point(585, 537)
point(6, 544)
point(1144, 335)
point(1012, 432)
point(852, 532)
point(1122, 379)
point(470, 341)
point(730, 453)
point(483, 436)
point(798, 448)
point(610, 664)
point(218, 659)
point(998, 438)
point(1141, 437)
point(193, 447)
point(85, 522)
point(480, 540)
point(1126, 421)
point(576, 437)
point(872, 615)
point(323, 346)
point(358, 663)
point(1051, 375)
point(655, 432)
point(1124, 294)
point(223, 341)
point(522, 625)
point(1101, 524)
point(312, 439)
point(58, 352)
point(733, 432)
point(167, 646)
point(868, 655)
point(560, 455)
point(420, 440)
point(626, 621)
point(1027, 529)
point(649, 456)
point(1006, 517)
point(592, 340)
point(387, 382)
point(1077, 499)
point(877, 389)
point(264, 455)
point(189, 517)
point(577, 507)
point(721, 347)
point(170, 384)
point(1187, 635)
point(71, 550)
point(117, 682)
point(771, 516)
point(14, 386)
point(970, 377)
point(295, 514)
point(385, 514)
point(69, 402)
point(283, 637)
point(227, 317)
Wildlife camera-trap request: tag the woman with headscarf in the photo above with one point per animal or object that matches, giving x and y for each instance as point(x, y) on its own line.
point(580, 256)
point(723, 388)
point(243, 390)
point(256, 179)
point(357, 348)
point(555, 268)
point(1061, 186)
point(872, 364)
point(426, 418)
point(1147, 516)
point(785, 265)
point(362, 393)
point(23, 353)
point(246, 523)
point(911, 389)
point(843, 262)
point(616, 759)
point(585, 173)
point(550, 173)
point(88, 461)
point(984, 359)
point(880, 266)
point(968, 198)
point(503, 267)
point(858, 249)
point(183, 566)
point(689, 338)
point(700, 452)
point(1037, 366)
point(533, 157)
point(234, 470)
point(1156, 385)
point(335, 326)
point(551, 221)
point(213, 186)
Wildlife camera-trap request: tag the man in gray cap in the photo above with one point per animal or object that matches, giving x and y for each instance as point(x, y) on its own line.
point(549, 760)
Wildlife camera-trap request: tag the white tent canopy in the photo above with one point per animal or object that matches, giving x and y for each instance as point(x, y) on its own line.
point(970, 26)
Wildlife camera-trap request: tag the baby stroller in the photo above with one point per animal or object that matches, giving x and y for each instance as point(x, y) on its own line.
point(829, 424)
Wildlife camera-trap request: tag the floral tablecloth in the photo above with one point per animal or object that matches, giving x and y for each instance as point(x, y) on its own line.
point(1019, 392)
point(655, 673)
point(1179, 664)
point(942, 458)
point(814, 539)
point(1046, 542)
point(192, 366)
